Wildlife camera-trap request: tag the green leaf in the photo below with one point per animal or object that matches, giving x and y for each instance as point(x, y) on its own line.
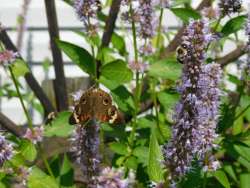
point(106, 55)
point(28, 150)
point(244, 162)
point(115, 74)
point(123, 99)
point(233, 25)
point(118, 148)
point(166, 69)
point(66, 173)
point(146, 122)
point(131, 163)
point(185, 14)
point(79, 56)
point(222, 178)
point(60, 126)
point(92, 40)
point(155, 171)
point(119, 43)
point(230, 171)
point(141, 153)
point(17, 160)
point(243, 150)
point(168, 100)
point(39, 179)
point(244, 180)
point(19, 68)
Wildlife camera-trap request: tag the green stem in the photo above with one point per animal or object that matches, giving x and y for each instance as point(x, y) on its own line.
point(20, 98)
point(137, 87)
point(45, 161)
point(215, 28)
point(242, 112)
point(159, 28)
point(205, 180)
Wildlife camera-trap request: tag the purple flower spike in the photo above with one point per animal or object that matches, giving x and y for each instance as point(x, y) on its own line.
point(6, 150)
point(86, 148)
point(196, 113)
point(87, 12)
point(112, 178)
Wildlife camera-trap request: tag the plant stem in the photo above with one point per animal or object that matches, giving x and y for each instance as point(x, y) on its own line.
point(205, 180)
point(45, 161)
point(20, 98)
point(137, 87)
point(242, 112)
point(215, 28)
point(159, 29)
point(153, 85)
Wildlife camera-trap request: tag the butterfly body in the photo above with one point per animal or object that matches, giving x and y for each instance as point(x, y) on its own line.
point(94, 104)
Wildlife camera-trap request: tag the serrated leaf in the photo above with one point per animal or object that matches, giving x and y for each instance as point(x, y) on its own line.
point(185, 14)
point(118, 148)
point(28, 150)
point(115, 74)
point(222, 178)
point(155, 171)
point(233, 25)
point(166, 69)
point(19, 68)
point(60, 126)
point(39, 179)
point(79, 56)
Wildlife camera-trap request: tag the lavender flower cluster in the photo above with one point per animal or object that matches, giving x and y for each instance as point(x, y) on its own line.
point(230, 6)
point(7, 57)
point(196, 114)
point(6, 150)
point(86, 147)
point(247, 67)
point(35, 135)
point(147, 19)
point(87, 12)
point(143, 13)
point(248, 32)
point(112, 178)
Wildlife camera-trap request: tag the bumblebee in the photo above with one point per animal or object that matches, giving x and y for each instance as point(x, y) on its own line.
point(182, 51)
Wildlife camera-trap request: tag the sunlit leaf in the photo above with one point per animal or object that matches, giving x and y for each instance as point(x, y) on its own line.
point(118, 148)
point(115, 74)
point(28, 150)
point(244, 180)
point(79, 56)
point(222, 178)
point(233, 25)
point(38, 178)
point(185, 14)
point(155, 171)
point(19, 68)
point(166, 69)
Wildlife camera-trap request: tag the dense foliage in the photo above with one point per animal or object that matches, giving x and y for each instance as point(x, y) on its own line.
point(185, 115)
